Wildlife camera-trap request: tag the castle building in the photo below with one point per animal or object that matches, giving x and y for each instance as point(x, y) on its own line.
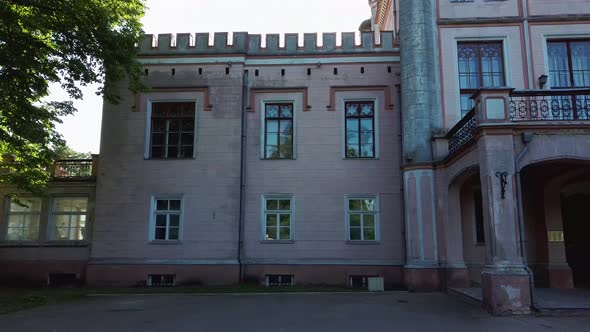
point(446, 150)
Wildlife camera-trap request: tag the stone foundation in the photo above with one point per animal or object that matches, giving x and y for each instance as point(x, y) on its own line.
point(506, 293)
point(36, 273)
point(422, 279)
point(457, 278)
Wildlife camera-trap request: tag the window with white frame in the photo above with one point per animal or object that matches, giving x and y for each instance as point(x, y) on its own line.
point(166, 219)
point(362, 219)
point(278, 214)
point(23, 220)
point(69, 218)
point(172, 133)
point(278, 131)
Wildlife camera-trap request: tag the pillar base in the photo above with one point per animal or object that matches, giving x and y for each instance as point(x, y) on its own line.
point(506, 291)
point(423, 279)
point(457, 277)
point(560, 276)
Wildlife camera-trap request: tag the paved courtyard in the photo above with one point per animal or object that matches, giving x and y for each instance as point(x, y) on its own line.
point(397, 311)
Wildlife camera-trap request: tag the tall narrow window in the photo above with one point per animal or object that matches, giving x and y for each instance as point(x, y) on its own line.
point(278, 131)
point(172, 130)
point(69, 218)
point(360, 129)
point(481, 65)
point(479, 225)
point(569, 63)
point(277, 218)
point(23, 220)
point(362, 215)
point(166, 218)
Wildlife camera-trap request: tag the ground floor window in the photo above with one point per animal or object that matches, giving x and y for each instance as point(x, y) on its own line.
point(278, 213)
point(69, 216)
point(23, 220)
point(362, 219)
point(166, 216)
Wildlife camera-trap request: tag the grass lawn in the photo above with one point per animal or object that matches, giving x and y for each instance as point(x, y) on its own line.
point(16, 299)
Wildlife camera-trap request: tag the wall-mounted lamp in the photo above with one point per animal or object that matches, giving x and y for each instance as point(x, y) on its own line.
point(542, 81)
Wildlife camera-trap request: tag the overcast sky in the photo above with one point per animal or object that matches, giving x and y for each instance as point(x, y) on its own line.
point(82, 131)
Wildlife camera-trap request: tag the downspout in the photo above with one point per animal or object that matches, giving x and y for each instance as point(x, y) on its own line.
point(242, 174)
point(527, 43)
point(402, 182)
point(394, 21)
point(521, 230)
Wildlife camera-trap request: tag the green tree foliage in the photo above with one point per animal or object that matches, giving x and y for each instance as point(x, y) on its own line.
point(72, 42)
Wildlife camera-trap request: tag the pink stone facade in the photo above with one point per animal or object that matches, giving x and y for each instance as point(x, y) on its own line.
point(491, 198)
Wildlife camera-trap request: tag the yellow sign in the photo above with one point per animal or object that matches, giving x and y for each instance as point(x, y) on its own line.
point(555, 236)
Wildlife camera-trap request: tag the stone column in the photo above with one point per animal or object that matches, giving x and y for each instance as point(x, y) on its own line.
point(421, 115)
point(558, 271)
point(505, 281)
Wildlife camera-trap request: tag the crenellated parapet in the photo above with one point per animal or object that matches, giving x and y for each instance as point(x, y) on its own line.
point(251, 44)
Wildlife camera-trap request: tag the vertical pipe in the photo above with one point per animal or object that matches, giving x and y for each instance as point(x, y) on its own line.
point(242, 173)
point(527, 43)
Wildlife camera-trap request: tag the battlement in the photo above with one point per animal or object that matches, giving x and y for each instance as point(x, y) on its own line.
point(251, 44)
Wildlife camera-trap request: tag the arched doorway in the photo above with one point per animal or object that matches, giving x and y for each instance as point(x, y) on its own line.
point(575, 204)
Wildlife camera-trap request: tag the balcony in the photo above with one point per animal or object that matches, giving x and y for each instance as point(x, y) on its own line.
point(510, 108)
point(76, 169)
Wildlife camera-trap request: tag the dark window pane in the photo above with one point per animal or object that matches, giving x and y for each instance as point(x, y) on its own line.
point(285, 233)
point(286, 127)
point(174, 220)
point(173, 234)
point(173, 139)
point(272, 204)
point(157, 152)
point(284, 204)
point(285, 220)
point(186, 152)
point(160, 220)
point(369, 233)
point(369, 220)
point(271, 233)
point(159, 125)
point(160, 233)
point(354, 205)
point(355, 233)
point(355, 220)
point(158, 139)
point(172, 152)
point(271, 220)
point(162, 204)
point(188, 124)
point(187, 139)
point(174, 125)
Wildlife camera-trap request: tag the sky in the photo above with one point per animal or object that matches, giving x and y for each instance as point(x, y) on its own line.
point(82, 130)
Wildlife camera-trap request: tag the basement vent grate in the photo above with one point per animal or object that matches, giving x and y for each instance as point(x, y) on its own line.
point(161, 280)
point(274, 280)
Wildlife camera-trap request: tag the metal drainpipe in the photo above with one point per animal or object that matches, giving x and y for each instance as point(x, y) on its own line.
point(521, 230)
point(402, 187)
point(394, 21)
point(242, 174)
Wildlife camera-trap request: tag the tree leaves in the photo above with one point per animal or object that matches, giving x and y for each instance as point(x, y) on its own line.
point(73, 42)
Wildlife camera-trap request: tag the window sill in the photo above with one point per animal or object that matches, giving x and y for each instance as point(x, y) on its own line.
point(372, 158)
point(359, 242)
point(164, 242)
point(277, 241)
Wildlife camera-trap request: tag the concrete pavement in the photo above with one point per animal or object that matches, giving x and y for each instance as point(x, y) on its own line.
point(395, 311)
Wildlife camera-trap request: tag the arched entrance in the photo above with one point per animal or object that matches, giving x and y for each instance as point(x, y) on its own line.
point(556, 208)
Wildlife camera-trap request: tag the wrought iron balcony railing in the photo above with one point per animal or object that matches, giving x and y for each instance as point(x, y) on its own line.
point(74, 169)
point(462, 132)
point(549, 105)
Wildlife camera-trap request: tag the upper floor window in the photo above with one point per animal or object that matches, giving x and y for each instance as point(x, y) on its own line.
point(569, 63)
point(23, 220)
point(172, 130)
point(69, 218)
point(278, 131)
point(362, 219)
point(166, 219)
point(277, 218)
point(360, 129)
point(481, 65)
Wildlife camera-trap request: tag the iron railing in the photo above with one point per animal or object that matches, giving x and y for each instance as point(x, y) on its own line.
point(73, 169)
point(462, 132)
point(549, 105)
